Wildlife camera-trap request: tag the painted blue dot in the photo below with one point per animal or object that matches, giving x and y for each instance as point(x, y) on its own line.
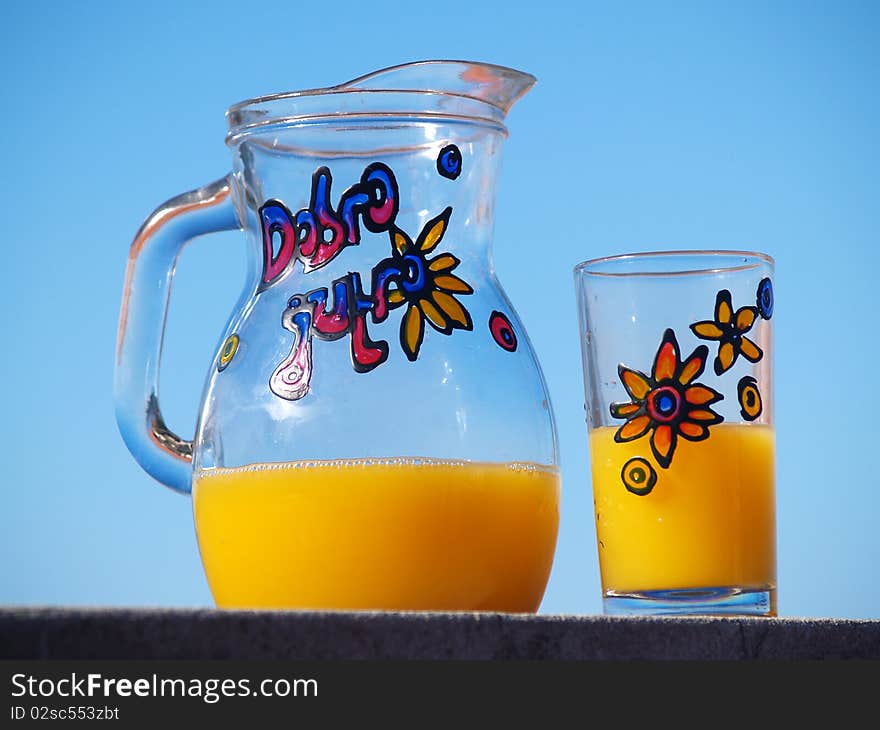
point(449, 162)
point(665, 404)
point(765, 298)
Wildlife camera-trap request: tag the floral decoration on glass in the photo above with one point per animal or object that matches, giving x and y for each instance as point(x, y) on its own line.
point(729, 329)
point(668, 402)
point(425, 285)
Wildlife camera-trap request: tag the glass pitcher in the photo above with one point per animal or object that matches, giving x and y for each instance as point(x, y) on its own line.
point(375, 431)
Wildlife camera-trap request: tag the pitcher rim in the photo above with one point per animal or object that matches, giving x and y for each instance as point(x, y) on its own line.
point(348, 86)
point(470, 101)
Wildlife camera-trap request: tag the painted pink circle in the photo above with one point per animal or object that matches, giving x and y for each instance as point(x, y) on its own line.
point(664, 403)
point(502, 331)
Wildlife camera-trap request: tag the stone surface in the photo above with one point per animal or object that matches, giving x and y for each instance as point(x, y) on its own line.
point(56, 633)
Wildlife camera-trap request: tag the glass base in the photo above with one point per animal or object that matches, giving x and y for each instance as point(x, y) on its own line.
point(721, 601)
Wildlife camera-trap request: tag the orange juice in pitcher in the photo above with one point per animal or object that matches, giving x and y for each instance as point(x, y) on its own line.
point(378, 533)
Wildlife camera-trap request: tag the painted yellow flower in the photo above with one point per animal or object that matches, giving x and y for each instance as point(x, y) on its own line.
point(729, 329)
point(427, 286)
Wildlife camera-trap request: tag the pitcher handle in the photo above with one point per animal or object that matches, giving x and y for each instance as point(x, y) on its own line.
point(151, 263)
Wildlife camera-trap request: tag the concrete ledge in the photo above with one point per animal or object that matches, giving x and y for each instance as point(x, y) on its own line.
point(54, 633)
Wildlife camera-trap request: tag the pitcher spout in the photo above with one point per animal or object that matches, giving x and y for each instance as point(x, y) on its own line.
point(463, 90)
point(498, 86)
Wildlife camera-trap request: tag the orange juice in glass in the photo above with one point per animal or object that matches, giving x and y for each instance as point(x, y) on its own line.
point(677, 357)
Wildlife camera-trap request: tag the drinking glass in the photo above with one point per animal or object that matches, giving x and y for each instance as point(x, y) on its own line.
point(678, 374)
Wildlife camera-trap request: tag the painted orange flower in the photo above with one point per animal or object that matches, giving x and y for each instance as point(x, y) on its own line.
point(667, 402)
point(729, 330)
point(426, 285)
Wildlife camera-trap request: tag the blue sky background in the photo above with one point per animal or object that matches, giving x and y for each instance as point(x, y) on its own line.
point(665, 125)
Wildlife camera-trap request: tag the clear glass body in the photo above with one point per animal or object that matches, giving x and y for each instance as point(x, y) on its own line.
point(677, 352)
point(375, 430)
point(464, 397)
